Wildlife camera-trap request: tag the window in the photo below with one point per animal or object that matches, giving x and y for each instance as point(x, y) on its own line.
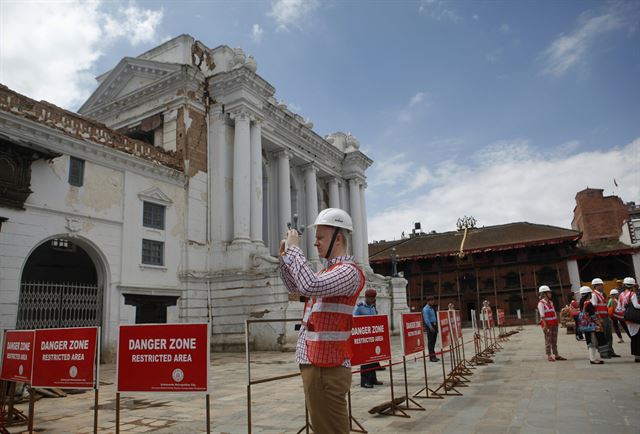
point(152, 252)
point(153, 215)
point(76, 171)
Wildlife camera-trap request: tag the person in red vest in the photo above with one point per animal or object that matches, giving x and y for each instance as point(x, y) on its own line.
point(599, 301)
point(628, 285)
point(323, 349)
point(549, 323)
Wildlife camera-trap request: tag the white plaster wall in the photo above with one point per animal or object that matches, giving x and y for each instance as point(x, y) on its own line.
point(99, 196)
point(134, 273)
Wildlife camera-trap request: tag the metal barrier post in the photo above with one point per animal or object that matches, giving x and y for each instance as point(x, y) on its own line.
point(426, 383)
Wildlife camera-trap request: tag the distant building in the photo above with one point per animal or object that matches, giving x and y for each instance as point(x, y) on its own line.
point(504, 264)
point(610, 246)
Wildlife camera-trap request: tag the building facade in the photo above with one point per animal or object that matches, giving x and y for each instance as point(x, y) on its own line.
point(504, 264)
point(170, 192)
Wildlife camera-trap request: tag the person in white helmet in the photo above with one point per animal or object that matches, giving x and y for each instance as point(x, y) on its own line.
point(633, 327)
point(549, 323)
point(323, 349)
point(599, 301)
point(611, 308)
point(589, 324)
point(628, 285)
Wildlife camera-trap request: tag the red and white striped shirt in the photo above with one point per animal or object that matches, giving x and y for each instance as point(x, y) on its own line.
point(299, 278)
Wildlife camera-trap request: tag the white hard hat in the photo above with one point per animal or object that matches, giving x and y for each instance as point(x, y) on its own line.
point(585, 290)
point(333, 217)
point(544, 288)
point(614, 292)
point(629, 281)
point(597, 281)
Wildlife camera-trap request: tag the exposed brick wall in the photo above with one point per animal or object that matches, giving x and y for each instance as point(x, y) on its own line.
point(192, 141)
point(82, 128)
point(598, 217)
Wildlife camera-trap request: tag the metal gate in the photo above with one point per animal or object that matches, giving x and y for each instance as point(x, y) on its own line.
point(49, 305)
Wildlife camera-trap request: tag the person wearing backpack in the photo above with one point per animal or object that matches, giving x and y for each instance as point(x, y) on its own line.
point(588, 324)
point(632, 318)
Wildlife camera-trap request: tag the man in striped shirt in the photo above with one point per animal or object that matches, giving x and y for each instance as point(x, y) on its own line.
point(322, 350)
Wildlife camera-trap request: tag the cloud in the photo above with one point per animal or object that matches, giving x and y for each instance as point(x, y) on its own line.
point(65, 40)
point(416, 99)
point(504, 28)
point(287, 13)
point(137, 25)
point(520, 185)
point(569, 50)
point(439, 10)
point(256, 33)
point(406, 114)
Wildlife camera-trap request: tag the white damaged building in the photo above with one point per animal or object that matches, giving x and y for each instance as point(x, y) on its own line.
point(165, 198)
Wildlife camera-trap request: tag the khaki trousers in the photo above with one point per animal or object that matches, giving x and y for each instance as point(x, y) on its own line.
point(325, 391)
point(551, 341)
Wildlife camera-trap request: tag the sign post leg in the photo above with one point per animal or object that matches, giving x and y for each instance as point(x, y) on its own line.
point(31, 408)
point(117, 413)
point(353, 419)
point(426, 383)
point(406, 389)
point(95, 411)
point(208, 404)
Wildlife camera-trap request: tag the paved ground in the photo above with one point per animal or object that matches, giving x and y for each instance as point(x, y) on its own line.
point(520, 393)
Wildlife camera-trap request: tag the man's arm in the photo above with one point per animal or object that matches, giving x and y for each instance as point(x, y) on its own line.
point(341, 280)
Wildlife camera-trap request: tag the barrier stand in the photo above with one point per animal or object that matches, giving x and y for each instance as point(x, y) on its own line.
point(406, 390)
point(394, 408)
point(12, 416)
point(426, 383)
point(447, 387)
point(351, 418)
point(117, 413)
point(307, 424)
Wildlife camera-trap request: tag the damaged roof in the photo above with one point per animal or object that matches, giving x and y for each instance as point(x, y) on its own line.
point(79, 127)
point(489, 238)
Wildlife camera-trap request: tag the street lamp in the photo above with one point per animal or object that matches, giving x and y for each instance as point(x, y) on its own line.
point(394, 262)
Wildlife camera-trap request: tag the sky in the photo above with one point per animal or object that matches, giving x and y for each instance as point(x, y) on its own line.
point(500, 110)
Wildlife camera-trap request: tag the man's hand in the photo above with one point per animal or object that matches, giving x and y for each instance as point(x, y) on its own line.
point(283, 247)
point(292, 237)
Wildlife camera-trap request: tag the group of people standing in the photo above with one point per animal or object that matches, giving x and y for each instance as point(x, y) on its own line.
point(595, 319)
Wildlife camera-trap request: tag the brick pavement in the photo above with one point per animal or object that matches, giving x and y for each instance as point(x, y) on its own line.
point(520, 393)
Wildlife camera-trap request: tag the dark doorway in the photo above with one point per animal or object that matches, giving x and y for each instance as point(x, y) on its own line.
point(59, 288)
point(150, 309)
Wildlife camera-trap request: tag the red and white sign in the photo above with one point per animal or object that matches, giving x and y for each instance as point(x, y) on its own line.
point(445, 329)
point(163, 358)
point(490, 315)
point(412, 333)
point(500, 316)
point(65, 358)
point(459, 323)
point(370, 339)
point(17, 355)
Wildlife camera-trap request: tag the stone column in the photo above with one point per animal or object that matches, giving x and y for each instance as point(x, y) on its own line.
point(334, 193)
point(363, 219)
point(356, 216)
point(256, 182)
point(311, 195)
point(219, 219)
point(241, 178)
point(344, 196)
point(574, 275)
point(284, 192)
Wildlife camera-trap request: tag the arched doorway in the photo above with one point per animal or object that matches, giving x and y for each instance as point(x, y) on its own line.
point(60, 287)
